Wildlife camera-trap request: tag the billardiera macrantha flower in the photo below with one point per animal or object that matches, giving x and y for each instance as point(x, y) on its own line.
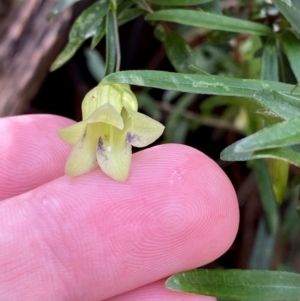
point(110, 126)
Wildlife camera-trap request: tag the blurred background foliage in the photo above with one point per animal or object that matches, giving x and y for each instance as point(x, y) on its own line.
point(267, 49)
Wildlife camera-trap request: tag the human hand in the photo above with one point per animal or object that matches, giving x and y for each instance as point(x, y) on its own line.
point(92, 238)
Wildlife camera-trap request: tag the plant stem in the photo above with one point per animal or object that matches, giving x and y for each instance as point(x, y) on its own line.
point(117, 39)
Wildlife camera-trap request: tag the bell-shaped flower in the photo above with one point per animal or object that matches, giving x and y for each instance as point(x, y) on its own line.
point(110, 126)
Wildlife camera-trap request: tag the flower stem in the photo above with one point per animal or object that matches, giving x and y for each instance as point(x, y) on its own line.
point(117, 39)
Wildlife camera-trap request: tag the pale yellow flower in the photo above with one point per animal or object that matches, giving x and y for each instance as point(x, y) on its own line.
point(110, 126)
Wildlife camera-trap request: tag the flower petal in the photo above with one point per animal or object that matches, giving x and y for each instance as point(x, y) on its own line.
point(112, 93)
point(114, 153)
point(83, 156)
point(142, 130)
point(107, 114)
point(129, 99)
point(91, 102)
point(101, 94)
point(72, 134)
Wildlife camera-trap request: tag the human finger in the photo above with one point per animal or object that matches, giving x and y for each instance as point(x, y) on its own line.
point(31, 153)
point(92, 236)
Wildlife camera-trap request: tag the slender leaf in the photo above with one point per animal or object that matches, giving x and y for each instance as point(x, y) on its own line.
point(59, 7)
point(287, 2)
point(271, 186)
point(291, 47)
point(85, 26)
point(95, 63)
point(210, 21)
point(213, 7)
point(176, 126)
point(263, 249)
point(291, 10)
point(122, 6)
point(246, 285)
point(143, 4)
point(129, 14)
point(178, 2)
point(290, 221)
point(268, 200)
point(283, 105)
point(100, 33)
point(287, 154)
point(198, 83)
point(111, 50)
point(87, 23)
point(270, 69)
point(278, 135)
point(66, 54)
point(179, 52)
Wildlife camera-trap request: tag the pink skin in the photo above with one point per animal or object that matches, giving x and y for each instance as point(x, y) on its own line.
point(92, 238)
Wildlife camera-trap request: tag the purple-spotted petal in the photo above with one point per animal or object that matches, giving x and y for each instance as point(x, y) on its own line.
point(114, 154)
point(142, 130)
point(83, 156)
point(73, 134)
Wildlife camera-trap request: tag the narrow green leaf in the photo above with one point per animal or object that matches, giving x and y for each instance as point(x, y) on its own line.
point(291, 47)
point(95, 63)
point(290, 220)
point(178, 2)
point(287, 2)
point(286, 154)
point(198, 83)
point(278, 135)
point(143, 4)
point(210, 21)
point(213, 7)
point(129, 14)
point(263, 249)
point(291, 10)
point(176, 126)
point(100, 33)
point(245, 285)
point(283, 105)
point(59, 7)
point(111, 51)
point(269, 116)
point(87, 23)
point(270, 69)
point(122, 6)
point(266, 192)
point(179, 52)
point(66, 54)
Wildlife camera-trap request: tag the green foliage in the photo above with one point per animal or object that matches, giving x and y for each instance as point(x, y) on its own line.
point(270, 207)
point(238, 284)
point(209, 21)
point(198, 83)
point(291, 47)
point(245, 65)
point(178, 2)
point(179, 52)
point(291, 10)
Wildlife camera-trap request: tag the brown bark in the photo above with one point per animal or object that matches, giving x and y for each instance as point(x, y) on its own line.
point(28, 46)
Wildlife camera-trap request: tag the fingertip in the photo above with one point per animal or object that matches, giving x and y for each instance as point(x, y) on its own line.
point(189, 173)
point(177, 211)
